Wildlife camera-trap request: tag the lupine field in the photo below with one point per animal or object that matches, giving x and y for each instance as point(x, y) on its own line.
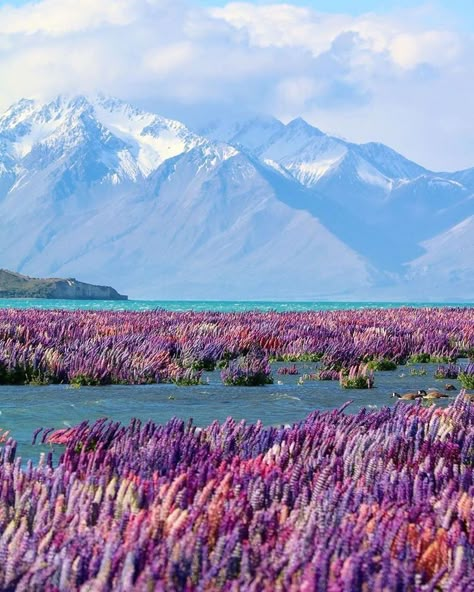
point(93, 348)
point(380, 501)
point(374, 501)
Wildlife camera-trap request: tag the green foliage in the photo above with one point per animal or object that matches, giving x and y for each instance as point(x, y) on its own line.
point(418, 372)
point(467, 380)
point(466, 353)
point(84, 380)
point(20, 375)
point(205, 364)
point(422, 358)
point(381, 364)
point(16, 375)
point(90, 447)
point(259, 379)
point(303, 357)
point(38, 379)
point(189, 380)
point(197, 364)
point(360, 382)
point(441, 359)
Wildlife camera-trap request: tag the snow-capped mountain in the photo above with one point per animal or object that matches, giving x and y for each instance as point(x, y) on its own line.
point(311, 155)
point(102, 191)
point(380, 203)
point(97, 189)
point(135, 143)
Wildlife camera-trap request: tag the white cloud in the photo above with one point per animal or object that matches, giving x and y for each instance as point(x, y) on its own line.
point(60, 17)
point(407, 45)
point(429, 47)
point(403, 78)
point(296, 91)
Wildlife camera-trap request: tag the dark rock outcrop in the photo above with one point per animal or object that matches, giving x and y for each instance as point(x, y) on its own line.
point(16, 285)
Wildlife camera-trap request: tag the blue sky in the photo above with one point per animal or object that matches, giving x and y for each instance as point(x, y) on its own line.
point(402, 74)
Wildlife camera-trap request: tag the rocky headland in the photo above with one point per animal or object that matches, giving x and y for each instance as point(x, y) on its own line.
point(16, 285)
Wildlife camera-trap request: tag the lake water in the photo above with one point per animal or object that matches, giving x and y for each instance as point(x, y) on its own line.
point(216, 305)
point(25, 408)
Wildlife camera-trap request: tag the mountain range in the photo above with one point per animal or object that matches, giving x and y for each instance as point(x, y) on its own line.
point(95, 188)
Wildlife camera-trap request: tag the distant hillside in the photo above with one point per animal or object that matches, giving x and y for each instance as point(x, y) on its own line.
point(15, 285)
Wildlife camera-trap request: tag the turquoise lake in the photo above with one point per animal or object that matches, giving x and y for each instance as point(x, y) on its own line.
point(216, 305)
point(25, 408)
point(201, 305)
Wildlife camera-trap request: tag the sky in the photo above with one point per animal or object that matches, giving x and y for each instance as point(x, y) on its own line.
point(398, 72)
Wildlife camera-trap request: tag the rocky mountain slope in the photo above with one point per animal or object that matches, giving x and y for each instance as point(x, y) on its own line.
point(240, 210)
point(16, 285)
point(378, 202)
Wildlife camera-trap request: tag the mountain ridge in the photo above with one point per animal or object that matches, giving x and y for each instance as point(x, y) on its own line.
point(96, 186)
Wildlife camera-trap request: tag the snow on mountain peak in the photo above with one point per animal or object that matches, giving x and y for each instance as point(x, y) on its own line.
point(29, 123)
point(148, 138)
point(16, 114)
point(312, 156)
point(152, 139)
point(94, 183)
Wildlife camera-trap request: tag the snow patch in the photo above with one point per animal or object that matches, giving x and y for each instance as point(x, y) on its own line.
point(39, 132)
point(369, 174)
point(315, 170)
point(152, 139)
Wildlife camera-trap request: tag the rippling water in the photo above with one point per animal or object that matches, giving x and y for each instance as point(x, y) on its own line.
point(25, 408)
point(217, 305)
